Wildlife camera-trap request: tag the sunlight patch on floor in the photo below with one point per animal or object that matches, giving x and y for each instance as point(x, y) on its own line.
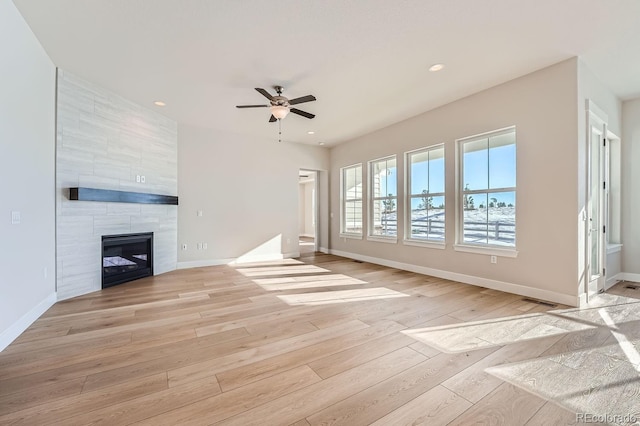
point(309, 281)
point(278, 262)
point(341, 296)
point(481, 334)
point(598, 384)
point(266, 271)
point(625, 345)
point(601, 378)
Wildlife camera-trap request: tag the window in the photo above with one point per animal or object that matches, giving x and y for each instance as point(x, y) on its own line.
point(383, 184)
point(351, 197)
point(487, 190)
point(425, 188)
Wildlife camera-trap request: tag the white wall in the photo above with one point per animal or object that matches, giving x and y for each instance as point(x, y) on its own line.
point(247, 191)
point(27, 144)
point(542, 107)
point(104, 141)
point(631, 189)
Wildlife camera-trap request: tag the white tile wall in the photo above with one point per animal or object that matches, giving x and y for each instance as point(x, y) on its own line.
point(104, 141)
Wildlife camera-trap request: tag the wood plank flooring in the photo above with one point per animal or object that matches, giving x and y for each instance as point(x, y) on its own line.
point(321, 340)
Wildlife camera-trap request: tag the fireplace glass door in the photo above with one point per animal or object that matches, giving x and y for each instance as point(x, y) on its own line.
point(126, 258)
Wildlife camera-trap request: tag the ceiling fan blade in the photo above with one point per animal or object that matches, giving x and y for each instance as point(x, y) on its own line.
point(302, 99)
point(272, 119)
point(264, 93)
point(252, 106)
point(302, 113)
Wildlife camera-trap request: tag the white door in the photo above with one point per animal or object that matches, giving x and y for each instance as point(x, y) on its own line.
point(595, 206)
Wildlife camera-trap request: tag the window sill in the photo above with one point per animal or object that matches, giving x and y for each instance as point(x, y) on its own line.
point(614, 248)
point(490, 251)
point(427, 244)
point(351, 236)
point(380, 239)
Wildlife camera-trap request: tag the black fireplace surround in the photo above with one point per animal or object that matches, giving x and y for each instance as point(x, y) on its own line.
point(126, 258)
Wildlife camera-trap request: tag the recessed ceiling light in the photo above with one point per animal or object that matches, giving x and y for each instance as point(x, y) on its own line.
point(159, 103)
point(320, 143)
point(436, 67)
point(311, 132)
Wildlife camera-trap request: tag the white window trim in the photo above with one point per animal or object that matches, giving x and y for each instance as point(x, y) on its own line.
point(425, 243)
point(352, 235)
point(486, 250)
point(392, 239)
point(459, 245)
point(408, 240)
point(613, 248)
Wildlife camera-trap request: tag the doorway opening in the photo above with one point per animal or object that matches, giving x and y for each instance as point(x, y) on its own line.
point(307, 212)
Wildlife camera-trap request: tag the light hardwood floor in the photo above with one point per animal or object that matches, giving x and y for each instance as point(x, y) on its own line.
point(320, 340)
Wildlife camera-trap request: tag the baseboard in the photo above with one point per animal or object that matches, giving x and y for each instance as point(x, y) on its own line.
point(17, 328)
point(308, 235)
point(582, 300)
point(613, 281)
point(627, 276)
point(522, 290)
point(323, 250)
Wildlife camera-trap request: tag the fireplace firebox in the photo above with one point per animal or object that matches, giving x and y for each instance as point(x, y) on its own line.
point(126, 258)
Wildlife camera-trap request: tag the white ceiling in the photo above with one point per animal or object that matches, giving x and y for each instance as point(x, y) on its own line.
point(366, 61)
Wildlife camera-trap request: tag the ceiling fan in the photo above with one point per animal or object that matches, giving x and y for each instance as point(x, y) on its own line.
point(281, 106)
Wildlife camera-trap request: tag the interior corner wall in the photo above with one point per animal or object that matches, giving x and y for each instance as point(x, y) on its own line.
point(631, 189)
point(105, 141)
point(27, 159)
point(247, 191)
point(591, 88)
point(542, 107)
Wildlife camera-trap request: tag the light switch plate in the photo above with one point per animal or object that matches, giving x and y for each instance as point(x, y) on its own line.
point(15, 218)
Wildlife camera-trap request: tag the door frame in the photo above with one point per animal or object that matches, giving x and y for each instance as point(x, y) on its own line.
point(598, 119)
point(316, 206)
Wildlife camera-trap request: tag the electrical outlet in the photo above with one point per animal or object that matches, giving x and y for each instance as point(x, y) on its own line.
point(494, 259)
point(199, 246)
point(138, 178)
point(16, 218)
point(184, 247)
point(143, 179)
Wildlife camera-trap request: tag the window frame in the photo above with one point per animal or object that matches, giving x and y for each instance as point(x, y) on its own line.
point(372, 199)
point(409, 196)
point(344, 200)
point(480, 248)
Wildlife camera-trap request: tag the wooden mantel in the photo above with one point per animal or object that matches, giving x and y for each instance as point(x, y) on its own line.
point(108, 195)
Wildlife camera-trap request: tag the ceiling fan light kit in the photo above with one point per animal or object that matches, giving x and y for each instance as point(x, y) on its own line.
point(279, 111)
point(281, 106)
